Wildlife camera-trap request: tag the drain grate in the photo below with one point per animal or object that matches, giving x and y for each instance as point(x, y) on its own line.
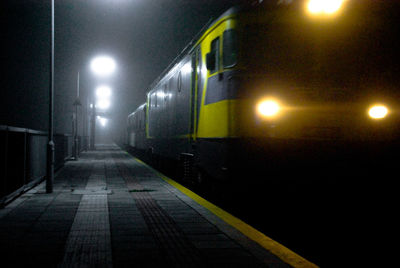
point(141, 190)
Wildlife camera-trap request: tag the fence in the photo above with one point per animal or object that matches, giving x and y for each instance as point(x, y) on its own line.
point(23, 158)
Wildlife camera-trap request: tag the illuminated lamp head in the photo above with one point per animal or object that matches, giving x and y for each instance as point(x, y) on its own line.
point(103, 121)
point(103, 92)
point(103, 104)
point(103, 65)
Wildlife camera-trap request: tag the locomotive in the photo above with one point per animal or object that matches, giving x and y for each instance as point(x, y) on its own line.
point(277, 83)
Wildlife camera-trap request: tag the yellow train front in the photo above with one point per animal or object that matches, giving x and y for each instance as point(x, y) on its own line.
point(281, 82)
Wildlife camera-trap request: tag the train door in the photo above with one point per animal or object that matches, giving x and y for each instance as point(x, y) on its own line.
point(187, 159)
point(197, 91)
point(171, 107)
point(193, 96)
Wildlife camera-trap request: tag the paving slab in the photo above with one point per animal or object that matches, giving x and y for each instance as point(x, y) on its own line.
point(109, 209)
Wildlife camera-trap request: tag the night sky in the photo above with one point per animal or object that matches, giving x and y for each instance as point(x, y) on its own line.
point(143, 36)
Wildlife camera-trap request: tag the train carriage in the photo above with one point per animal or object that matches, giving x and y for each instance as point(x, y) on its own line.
point(136, 129)
point(278, 82)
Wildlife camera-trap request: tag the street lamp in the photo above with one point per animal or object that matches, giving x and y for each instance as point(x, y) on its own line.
point(102, 66)
point(50, 144)
point(76, 103)
point(103, 104)
point(102, 120)
point(103, 92)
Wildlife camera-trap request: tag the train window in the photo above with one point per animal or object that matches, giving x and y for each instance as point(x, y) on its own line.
point(229, 49)
point(154, 99)
point(215, 53)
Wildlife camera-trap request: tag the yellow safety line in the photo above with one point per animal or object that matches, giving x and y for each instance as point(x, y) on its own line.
point(274, 247)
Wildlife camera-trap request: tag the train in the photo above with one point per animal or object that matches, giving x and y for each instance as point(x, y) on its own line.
point(277, 82)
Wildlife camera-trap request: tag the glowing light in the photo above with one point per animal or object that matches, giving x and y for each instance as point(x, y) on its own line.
point(161, 94)
point(103, 65)
point(103, 92)
point(324, 6)
point(103, 121)
point(103, 104)
point(268, 108)
point(378, 112)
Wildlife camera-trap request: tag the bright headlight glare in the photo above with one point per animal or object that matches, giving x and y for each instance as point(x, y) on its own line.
point(378, 112)
point(324, 6)
point(268, 108)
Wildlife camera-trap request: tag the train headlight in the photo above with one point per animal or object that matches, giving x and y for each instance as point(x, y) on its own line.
point(378, 111)
point(268, 108)
point(324, 6)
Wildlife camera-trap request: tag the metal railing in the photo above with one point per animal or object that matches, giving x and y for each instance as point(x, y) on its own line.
point(23, 158)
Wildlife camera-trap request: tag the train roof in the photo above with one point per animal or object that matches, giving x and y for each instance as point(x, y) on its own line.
point(137, 109)
point(193, 43)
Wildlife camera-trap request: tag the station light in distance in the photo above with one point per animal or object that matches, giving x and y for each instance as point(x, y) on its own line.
point(103, 65)
point(103, 121)
point(378, 111)
point(327, 7)
point(103, 92)
point(103, 104)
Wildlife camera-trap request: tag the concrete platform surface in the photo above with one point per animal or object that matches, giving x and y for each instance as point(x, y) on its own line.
point(109, 209)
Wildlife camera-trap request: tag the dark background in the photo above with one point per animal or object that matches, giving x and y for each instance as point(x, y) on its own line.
point(143, 36)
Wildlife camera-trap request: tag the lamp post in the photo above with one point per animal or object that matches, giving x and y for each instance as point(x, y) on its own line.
point(101, 66)
point(92, 127)
point(50, 144)
point(76, 103)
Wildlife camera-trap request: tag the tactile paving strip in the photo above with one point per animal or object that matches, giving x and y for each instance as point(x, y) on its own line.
point(177, 249)
point(88, 243)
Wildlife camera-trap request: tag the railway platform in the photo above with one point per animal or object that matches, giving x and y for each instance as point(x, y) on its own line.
point(109, 209)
